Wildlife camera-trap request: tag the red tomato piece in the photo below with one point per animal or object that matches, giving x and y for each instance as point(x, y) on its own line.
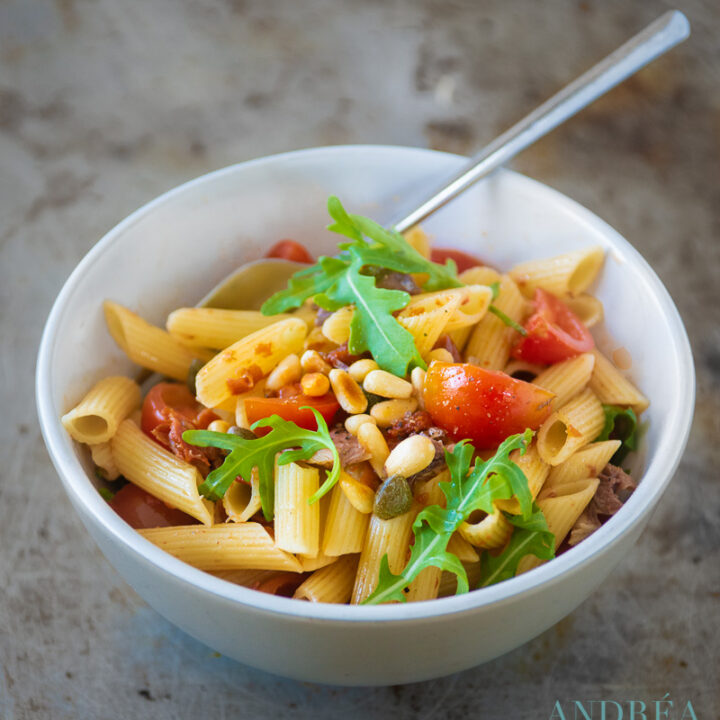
point(140, 509)
point(172, 396)
point(481, 405)
point(290, 250)
point(289, 408)
point(554, 332)
point(463, 260)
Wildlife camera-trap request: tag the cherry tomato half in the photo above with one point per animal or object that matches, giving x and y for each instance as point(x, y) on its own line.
point(290, 250)
point(165, 396)
point(481, 405)
point(463, 260)
point(289, 408)
point(554, 332)
point(140, 509)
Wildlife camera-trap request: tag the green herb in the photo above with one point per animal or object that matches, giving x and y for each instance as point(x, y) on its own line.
point(531, 537)
point(373, 326)
point(620, 424)
point(495, 288)
point(260, 453)
point(507, 320)
point(335, 282)
point(106, 494)
point(468, 490)
point(307, 283)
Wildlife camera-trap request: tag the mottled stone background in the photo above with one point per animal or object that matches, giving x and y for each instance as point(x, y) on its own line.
point(105, 104)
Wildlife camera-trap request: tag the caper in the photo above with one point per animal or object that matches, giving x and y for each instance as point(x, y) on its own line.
point(244, 433)
point(393, 498)
point(193, 370)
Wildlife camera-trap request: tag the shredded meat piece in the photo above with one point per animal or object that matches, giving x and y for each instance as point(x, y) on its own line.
point(348, 447)
point(169, 434)
point(614, 488)
point(390, 280)
point(436, 466)
point(446, 342)
point(410, 424)
point(322, 315)
point(341, 357)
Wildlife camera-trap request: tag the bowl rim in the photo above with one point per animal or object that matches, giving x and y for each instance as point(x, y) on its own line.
point(654, 481)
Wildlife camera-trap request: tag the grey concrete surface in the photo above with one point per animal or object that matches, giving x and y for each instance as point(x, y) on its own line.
point(104, 105)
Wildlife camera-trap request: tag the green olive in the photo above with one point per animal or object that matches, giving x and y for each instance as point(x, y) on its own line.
point(244, 433)
point(393, 498)
point(193, 370)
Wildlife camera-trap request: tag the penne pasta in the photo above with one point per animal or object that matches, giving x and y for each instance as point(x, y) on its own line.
point(214, 327)
point(561, 506)
point(586, 463)
point(96, 417)
point(568, 274)
point(239, 367)
point(330, 584)
point(247, 578)
point(448, 580)
point(242, 500)
point(490, 342)
point(566, 379)
point(417, 238)
point(147, 345)
point(384, 537)
point(232, 546)
point(151, 467)
point(480, 275)
point(103, 458)
point(535, 470)
point(493, 531)
point(345, 526)
point(427, 317)
point(569, 428)
point(613, 388)
point(460, 547)
point(588, 308)
point(297, 521)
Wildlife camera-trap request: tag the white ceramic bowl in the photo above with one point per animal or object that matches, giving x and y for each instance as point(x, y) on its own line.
point(170, 252)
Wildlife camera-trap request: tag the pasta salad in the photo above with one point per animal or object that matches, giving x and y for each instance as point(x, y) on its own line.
point(400, 423)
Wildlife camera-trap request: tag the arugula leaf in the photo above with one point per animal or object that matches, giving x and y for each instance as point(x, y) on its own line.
point(260, 453)
point(305, 284)
point(531, 537)
point(620, 424)
point(338, 281)
point(468, 490)
point(373, 326)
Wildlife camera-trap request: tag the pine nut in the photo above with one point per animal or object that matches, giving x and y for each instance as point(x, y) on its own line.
point(374, 442)
point(387, 385)
point(440, 354)
point(417, 379)
point(360, 496)
point(410, 456)
point(315, 384)
point(219, 426)
point(360, 368)
point(348, 393)
point(390, 411)
point(312, 361)
point(286, 372)
point(353, 423)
